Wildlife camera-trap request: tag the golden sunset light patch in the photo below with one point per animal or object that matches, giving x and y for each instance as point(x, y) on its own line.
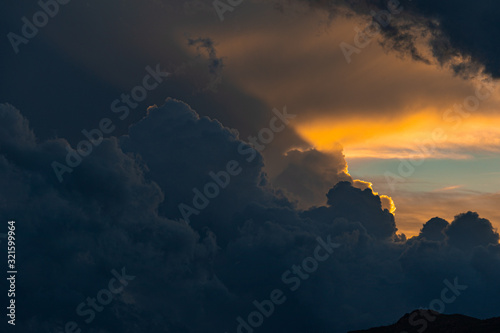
point(427, 134)
point(387, 202)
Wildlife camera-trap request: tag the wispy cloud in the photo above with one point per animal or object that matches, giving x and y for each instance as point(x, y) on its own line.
point(448, 188)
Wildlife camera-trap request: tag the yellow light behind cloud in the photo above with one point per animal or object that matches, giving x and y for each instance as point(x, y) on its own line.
point(387, 202)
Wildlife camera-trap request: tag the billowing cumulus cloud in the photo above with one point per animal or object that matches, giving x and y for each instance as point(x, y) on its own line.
point(465, 232)
point(468, 231)
point(433, 229)
point(344, 201)
point(204, 223)
point(119, 209)
point(415, 208)
point(308, 175)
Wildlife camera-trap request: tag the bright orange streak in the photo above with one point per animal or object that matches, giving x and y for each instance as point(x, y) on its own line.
point(399, 138)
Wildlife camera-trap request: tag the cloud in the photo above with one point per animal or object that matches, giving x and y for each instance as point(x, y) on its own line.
point(17, 133)
point(412, 136)
point(344, 201)
point(193, 147)
point(216, 64)
point(196, 68)
point(309, 174)
point(468, 231)
point(460, 34)
point(100, 219)
point(370, 106)
point(415, 207)
point(433, 229)
point(119, 209)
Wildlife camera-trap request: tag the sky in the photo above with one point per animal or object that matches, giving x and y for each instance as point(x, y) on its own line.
point(208, 147)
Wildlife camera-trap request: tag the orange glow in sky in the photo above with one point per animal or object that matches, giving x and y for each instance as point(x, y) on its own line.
point(453, 136)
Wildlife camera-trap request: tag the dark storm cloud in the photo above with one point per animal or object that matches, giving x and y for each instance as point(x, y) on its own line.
point(317, 172)
point(433, 229)
point(452, 28)
point(194, 146)
point(78, 55)
point(468, 231)
point(344, 200)
point(119, 209)
point(80, 230)
point(215, 64)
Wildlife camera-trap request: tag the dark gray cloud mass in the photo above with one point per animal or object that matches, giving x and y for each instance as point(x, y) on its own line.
point(119, 208)
point(317, 172)
point(465, 29)
point(344, 200)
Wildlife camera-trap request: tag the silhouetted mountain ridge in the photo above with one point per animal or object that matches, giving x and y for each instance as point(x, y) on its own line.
point(428, 321)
